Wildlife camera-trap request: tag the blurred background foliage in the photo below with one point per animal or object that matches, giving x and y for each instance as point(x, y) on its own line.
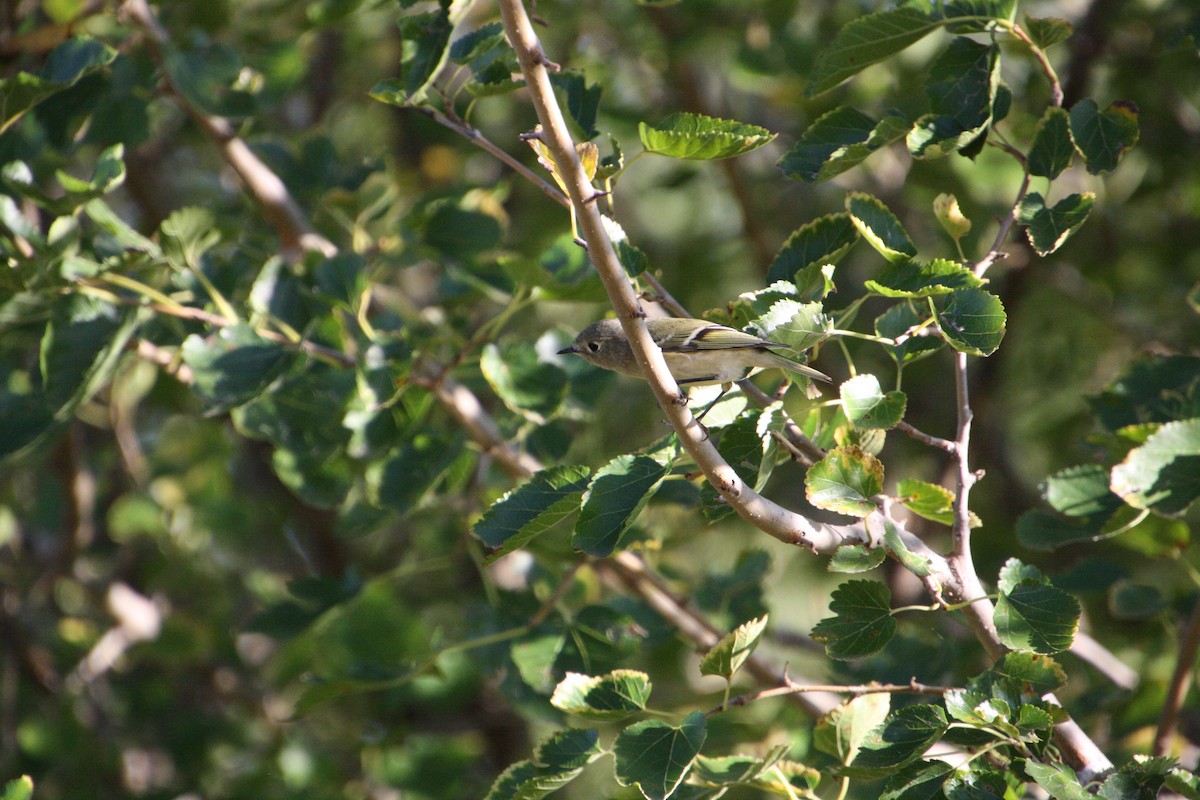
point(261, 575)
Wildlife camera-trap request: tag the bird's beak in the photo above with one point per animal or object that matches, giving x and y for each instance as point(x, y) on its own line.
point(567, 350)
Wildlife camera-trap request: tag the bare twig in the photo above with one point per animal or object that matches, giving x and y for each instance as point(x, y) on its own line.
point(933, 441)
point(477, 138)
point(1185, 665)
point(1056, 90)
point(790, 687)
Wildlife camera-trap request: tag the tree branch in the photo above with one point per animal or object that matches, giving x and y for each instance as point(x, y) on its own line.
point(264, 185)
point(1185, 664)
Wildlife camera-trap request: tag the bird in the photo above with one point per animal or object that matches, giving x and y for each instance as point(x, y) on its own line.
point(697, 352)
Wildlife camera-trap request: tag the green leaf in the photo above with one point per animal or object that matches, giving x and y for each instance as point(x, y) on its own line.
point(206, 74)
point(18, 789)
point(1052, 148)
point(477, 43)
point(614, 499)
point(632, 259)
point(920, 780)
point(235, 365)
point(527, 385)
point(1148, 392)
point(1057, 779)
point(1132, 601)
point(866, 405)
point(879, 226)
point(187, 235)
point(842, 731)
point(695, 136)
point(794, 324)
point(961, 88)
point(1164, 473)
point(852, 558)
point(840, 140)
point(919, 565)
point(823, 241)
point(927, 500)
point(1047, 31)
point(532, 508)
point(411, 471)
point(976, 783)
point(77, 353)
point(1081, 491)
point(1183, 782)
point(1139, 779)
point(845, 481)
point(908, 278)
point(1048, 228)
point(1039, 530)
point(1032, 673)
point(618, 694)
point(459, 232)
point(65, 66)
point(582, 100)
point(866, 41)
point(655, 756)
point(1031, 613)
point(863, 623)
point(558, 760)
point(125, 235)
point(734, 770)
point(902, 319)
point(727, 656)
point(1103, 136)
point(901, 739)
point(973, 322)
point(747, 446)
point(426, 39)
point(814, 282)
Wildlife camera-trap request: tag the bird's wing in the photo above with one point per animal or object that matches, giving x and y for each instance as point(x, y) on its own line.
point(710, 337)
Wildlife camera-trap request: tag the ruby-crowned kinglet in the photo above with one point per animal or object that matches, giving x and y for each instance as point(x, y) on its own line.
point(698, 353)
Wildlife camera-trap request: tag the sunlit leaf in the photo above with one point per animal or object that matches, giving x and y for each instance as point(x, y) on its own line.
point(726, 657)
point(867, 406)
point(613, 696)
point(880, 227)
point(1164, 473)
point(845, 481)
point(695, 136)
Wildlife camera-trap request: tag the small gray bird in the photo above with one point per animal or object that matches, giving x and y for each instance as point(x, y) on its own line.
point(698, 353)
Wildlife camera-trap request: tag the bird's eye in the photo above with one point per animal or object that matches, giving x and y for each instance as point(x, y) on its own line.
point(593, 346)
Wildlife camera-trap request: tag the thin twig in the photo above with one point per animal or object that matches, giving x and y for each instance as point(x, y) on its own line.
point(933, 441)
point(1056, 90)
point(476, 137)
point(791, 687)
point(1185, 665)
